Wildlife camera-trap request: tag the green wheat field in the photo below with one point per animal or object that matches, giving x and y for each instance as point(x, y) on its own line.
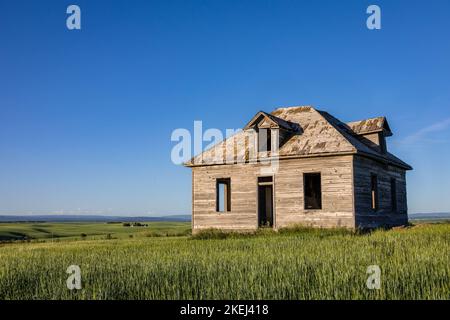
point(162, 261)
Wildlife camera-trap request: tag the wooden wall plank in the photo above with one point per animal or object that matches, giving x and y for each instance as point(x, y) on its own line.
point(337, 195)
point(365, 216)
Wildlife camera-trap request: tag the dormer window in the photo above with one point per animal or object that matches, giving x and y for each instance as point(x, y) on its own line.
point(271, 131)
point(264, 140)
point(372, 132)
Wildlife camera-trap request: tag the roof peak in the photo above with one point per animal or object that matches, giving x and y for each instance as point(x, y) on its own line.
point(295, 107)
point(292, 110)
point(372, 118)
point(281, 123)
point(371, 125)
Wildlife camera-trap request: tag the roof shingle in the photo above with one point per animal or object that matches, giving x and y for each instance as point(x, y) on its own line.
point(312, 133)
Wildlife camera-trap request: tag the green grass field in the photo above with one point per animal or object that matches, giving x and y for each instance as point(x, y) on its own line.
point(90, 231)
point(295, 264)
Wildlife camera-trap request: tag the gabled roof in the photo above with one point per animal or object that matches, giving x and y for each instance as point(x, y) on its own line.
point(318, 136)
point(372, 125)
point(312, 133)
point(361, 147)
point(264, 117)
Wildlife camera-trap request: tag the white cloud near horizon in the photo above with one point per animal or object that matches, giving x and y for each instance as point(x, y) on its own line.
point(422, 133)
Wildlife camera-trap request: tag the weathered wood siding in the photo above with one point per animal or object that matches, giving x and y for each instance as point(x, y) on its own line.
point(337, 194)
point(376, 141)
point(365, 216)
point(243, 214)
point(374, 138)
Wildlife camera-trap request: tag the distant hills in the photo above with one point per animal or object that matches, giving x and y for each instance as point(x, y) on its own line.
point(430, 216)
point(181, 218)
point(90, 218)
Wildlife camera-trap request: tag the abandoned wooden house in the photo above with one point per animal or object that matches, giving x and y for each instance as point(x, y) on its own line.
point(307, 168)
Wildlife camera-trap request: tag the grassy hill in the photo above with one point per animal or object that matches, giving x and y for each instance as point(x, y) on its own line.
point(299, 264)
point(88, 230)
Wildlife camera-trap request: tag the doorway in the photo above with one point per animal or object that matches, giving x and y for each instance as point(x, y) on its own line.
point(265, 202)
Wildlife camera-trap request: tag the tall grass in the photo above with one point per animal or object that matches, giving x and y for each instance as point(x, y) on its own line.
point(301, 264)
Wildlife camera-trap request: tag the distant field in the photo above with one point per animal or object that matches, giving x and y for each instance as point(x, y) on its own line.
point(89, 230)
point(295, 264)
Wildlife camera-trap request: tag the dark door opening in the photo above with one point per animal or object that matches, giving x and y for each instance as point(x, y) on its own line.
point(312, 188)
point(265, 202)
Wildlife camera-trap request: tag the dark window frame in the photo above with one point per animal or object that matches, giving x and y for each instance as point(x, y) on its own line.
point(268, 140)
point(394, 200)
point(227, 195)
point(306, 205)
point(374, 192)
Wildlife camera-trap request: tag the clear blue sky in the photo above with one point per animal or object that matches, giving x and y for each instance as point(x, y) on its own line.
point(86, 116)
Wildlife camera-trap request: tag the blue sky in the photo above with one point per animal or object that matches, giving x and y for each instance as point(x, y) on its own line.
point(86, 115)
